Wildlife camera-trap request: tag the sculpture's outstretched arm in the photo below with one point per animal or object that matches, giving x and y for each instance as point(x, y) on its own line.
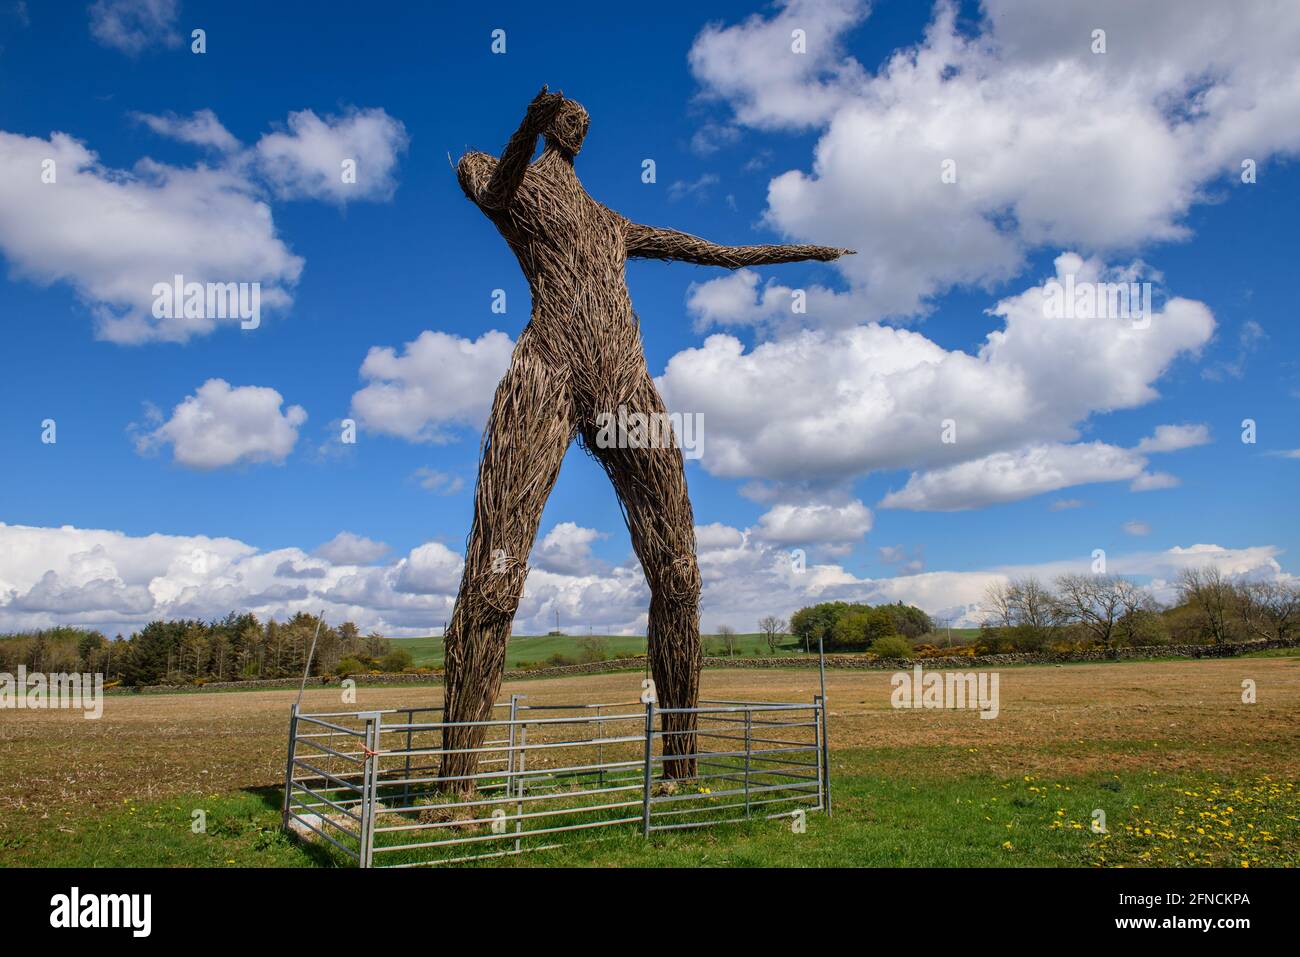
point(652, 242)
point(509, 172)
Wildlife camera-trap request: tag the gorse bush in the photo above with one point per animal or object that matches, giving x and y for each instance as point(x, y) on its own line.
point(349, 666)
point(399, 659)
point(891, 646)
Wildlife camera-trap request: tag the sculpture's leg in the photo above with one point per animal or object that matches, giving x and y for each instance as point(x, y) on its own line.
point(651, 485)
point(530, 427)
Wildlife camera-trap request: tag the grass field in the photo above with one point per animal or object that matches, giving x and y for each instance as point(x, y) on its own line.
point(535, 649)
point(1186, 773)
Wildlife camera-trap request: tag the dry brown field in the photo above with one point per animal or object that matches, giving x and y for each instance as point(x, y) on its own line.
point(1170, 716)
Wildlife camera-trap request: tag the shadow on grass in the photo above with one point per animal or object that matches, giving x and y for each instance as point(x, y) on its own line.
point(320, 854)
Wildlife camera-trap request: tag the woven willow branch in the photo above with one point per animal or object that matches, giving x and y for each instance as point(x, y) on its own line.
point(579, 356)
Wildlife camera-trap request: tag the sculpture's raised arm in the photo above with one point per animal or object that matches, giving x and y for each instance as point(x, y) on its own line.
point(509, 172)
point(653, 242)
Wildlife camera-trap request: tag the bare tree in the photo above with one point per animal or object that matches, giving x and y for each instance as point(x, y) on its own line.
point(1034, 607)
point(998, 604)
point(1136, 603)
point(1270, 609)
point(1212, 597)
point(727, 639)
point(773, 630)
point(1093, 602)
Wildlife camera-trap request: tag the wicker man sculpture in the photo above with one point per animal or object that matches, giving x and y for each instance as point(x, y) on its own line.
point(579, 356)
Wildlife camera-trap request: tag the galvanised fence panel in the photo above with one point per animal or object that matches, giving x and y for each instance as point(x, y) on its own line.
point(368, 782)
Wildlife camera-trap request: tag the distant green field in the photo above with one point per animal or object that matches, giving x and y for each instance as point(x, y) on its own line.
point(536, 649)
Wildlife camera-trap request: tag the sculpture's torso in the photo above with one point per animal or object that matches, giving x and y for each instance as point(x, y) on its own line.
point(571, 249)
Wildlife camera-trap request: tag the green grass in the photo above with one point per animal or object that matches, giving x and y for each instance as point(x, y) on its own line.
point(242, 829)
point(919, 821)
point(984, 821)
point(536, 649)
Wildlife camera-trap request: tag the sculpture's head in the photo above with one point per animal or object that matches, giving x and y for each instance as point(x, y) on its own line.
point(567, 131)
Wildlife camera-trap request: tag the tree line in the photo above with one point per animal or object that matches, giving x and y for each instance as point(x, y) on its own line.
point(1109, 611)
point(1072, 612)
point(234, 648)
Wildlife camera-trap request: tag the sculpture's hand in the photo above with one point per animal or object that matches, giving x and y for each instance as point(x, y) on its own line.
point(828, 253)
point(542, 110)
point(509, 172)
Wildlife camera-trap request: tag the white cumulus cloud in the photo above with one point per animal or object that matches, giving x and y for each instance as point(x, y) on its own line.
point(221, 425)
point(815, 524)
point(1009, 476)
point(348, 548)
point(1185, 91)
point(566, 549)
point(435, 385)
point(113, 234)
point(1172, 438)
point(307, 159)
point(827, 406)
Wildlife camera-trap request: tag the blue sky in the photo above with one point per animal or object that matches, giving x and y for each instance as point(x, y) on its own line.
point(749, 146)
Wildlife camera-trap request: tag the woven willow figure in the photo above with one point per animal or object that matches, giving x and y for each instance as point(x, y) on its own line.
point(579, 356)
